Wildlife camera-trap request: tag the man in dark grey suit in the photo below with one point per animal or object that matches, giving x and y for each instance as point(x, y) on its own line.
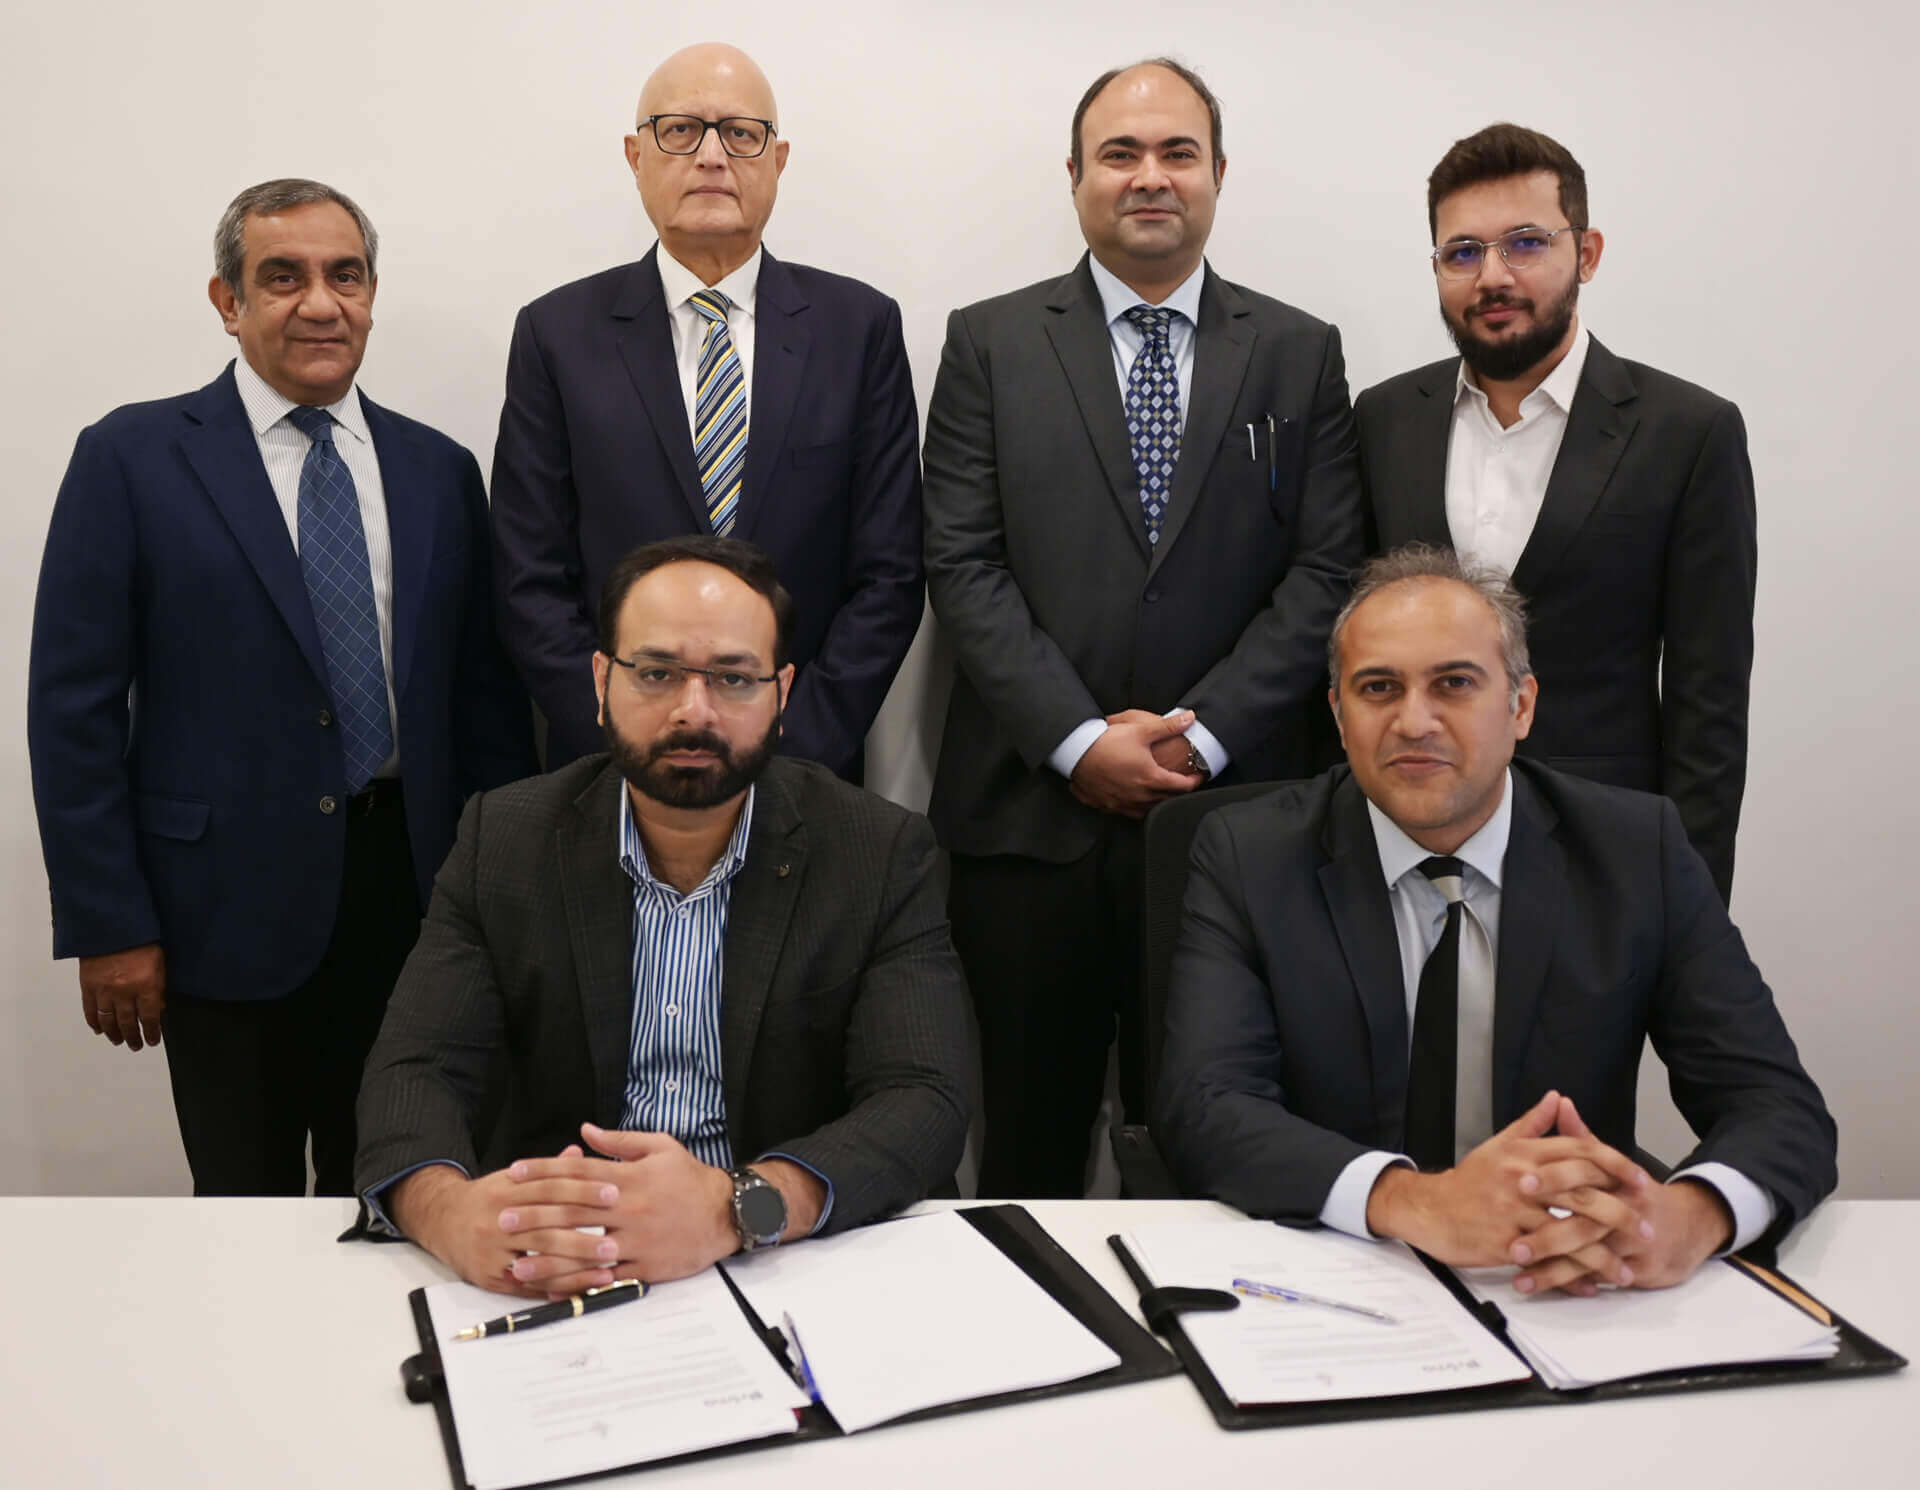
point(1449, 958)
point(1619, 498)
point(728, 970)
point(1142, 505)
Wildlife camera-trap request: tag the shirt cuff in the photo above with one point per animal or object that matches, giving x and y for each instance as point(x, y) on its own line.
point(377, 1218)
point(1202, 740)
point(1066, 755)
point(1753, 1209)
point(1346, 1206)
point(826, 1206)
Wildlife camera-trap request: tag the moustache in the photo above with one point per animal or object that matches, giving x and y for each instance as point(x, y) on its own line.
point(1156, 201)
point(690, 740)
point(1498, 302)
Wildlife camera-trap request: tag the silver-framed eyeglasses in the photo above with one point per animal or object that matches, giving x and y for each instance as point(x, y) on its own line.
point(656, 679)
point(684, 134)
point(1523, 248)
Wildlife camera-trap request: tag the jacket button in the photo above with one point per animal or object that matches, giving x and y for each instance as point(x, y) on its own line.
point(327, 804)
point(326, 718)
point(1152, 595)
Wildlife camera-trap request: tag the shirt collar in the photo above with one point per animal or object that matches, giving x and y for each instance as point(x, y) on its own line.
point(633, 852)
point(1557, 388)
point(266, 406)
point(681, 284)
point(1486, 851)
point(1116, 299)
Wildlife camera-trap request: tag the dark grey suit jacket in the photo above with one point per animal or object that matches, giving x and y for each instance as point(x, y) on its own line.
point(1286, 1051)
point(1040, 572)
point(844, 1037)
point(1639, 577)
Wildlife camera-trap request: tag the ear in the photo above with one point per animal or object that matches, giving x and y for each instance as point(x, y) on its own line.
point(1219, 172)
point(633, 156)
point(1073, 181)
point(780, 148)
point(1592, 244)
point(1523, 707)
point(601, 670)
point(226, 303)
point(1333, 703)
point(785, 675)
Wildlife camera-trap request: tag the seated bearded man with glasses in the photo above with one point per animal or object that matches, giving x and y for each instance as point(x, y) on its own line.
point(674, 1000)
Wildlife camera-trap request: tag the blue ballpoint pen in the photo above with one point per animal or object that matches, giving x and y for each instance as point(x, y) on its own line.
point(1294, 1296)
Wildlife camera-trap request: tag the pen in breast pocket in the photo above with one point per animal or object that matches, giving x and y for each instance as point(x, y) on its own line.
point(1273, 458)
point(1252, 454)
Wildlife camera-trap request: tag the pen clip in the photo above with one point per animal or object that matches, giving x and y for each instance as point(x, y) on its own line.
point(802, 1372)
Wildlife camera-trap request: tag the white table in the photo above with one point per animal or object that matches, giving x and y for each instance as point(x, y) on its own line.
point(211, 1344)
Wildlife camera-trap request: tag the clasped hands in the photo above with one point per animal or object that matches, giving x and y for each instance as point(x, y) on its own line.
point(1621, 1225)
point(663, 1213)
point(1137, 763)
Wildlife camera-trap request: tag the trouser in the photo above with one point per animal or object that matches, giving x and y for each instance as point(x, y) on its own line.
point(1052, 954)
point(253, 1079)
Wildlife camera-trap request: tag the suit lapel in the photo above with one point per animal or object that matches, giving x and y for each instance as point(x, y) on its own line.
point(1356, 892)
point(221, 448)
point(1222, 350)
point(1416, 486)
point(645, 340)
point(1532, 894)
point(1598, 426)
point(599, 906)
point(410, 528)
point(764, 894)
point(1077, 327)
point(780, 346)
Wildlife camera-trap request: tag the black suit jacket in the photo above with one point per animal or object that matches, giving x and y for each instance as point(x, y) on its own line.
point(186, 763)
point(1040, 572)
point(1287, 1032)
point(595, 458)
point(1639, 577)
point(843, 1027)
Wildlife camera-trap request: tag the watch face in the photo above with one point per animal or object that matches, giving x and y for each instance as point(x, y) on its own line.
point(762, 1212)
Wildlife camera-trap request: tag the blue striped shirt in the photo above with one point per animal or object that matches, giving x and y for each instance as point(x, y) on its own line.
point(674, 1077)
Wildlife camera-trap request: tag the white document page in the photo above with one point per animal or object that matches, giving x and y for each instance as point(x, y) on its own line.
point(1717, 1317)
point(915, 1313)
point(675, 1371)
point(1268, 1351)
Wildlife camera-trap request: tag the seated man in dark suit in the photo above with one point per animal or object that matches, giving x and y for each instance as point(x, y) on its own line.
point(1441, 956)
point(729, 970)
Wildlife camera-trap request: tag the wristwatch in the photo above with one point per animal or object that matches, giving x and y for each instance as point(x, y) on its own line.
point(759, 1210)
point(1197, 763)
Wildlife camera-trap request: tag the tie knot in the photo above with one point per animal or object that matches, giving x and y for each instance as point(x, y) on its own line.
point(1448, 876)
point(1152, 321)
point(315, 424)
point(711, 305)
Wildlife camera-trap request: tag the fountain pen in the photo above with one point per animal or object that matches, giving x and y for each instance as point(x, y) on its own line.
point(605, 1297)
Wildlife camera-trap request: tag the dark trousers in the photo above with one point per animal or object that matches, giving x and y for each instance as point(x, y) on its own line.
point(253, 1079)
point(1052, 953)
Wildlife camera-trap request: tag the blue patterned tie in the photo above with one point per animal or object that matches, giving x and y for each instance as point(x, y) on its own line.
point(1153, 415)
point(333, 557)
point(719, 413)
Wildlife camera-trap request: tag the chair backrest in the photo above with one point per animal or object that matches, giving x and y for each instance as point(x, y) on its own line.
point(1169, 842)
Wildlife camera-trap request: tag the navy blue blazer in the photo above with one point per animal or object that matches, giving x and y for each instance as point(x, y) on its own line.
point(595, 458)
point(178, 716)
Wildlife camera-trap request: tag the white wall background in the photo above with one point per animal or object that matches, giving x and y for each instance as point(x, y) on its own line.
point(1752, 165)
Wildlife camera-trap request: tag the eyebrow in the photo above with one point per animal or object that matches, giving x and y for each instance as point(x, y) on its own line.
point(1519, 227)
point(1463, 665)
point(720, 659)
point(276, 262)
point(1133, 141)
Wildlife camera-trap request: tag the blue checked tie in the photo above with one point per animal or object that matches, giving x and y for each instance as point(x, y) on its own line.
point(1153, 415)
point(719, 413)
point(333, 557)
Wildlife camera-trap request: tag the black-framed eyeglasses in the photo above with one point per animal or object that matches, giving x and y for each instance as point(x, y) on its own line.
point(657, 679)
point(683, 134)
point(1523, 248)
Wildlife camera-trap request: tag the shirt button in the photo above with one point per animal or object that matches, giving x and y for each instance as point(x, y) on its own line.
point(672, 1009)
point(1486, 519)
point(673, 1086)
point(327, 804)
point(325, 718)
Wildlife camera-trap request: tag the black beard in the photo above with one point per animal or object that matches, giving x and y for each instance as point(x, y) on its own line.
point(1503, 361)
point(690, 786)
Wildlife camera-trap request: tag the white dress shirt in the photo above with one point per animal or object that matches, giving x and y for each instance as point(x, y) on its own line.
point(1116, 299)
point(681, 284)
point(1497, 478)
point(283, 449)
point(1419, 918)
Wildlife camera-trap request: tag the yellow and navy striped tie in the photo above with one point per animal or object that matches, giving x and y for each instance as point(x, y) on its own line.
point(719, 413)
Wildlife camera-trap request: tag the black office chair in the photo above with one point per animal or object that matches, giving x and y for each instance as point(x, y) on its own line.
point(1169, 843)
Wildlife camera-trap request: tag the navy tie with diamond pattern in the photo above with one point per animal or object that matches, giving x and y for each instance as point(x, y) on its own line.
point(1153, 415)
point(719, 412)
point(333, 557)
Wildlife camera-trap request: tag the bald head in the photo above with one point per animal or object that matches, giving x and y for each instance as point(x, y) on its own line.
point(711, 206)
point(708, 66)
